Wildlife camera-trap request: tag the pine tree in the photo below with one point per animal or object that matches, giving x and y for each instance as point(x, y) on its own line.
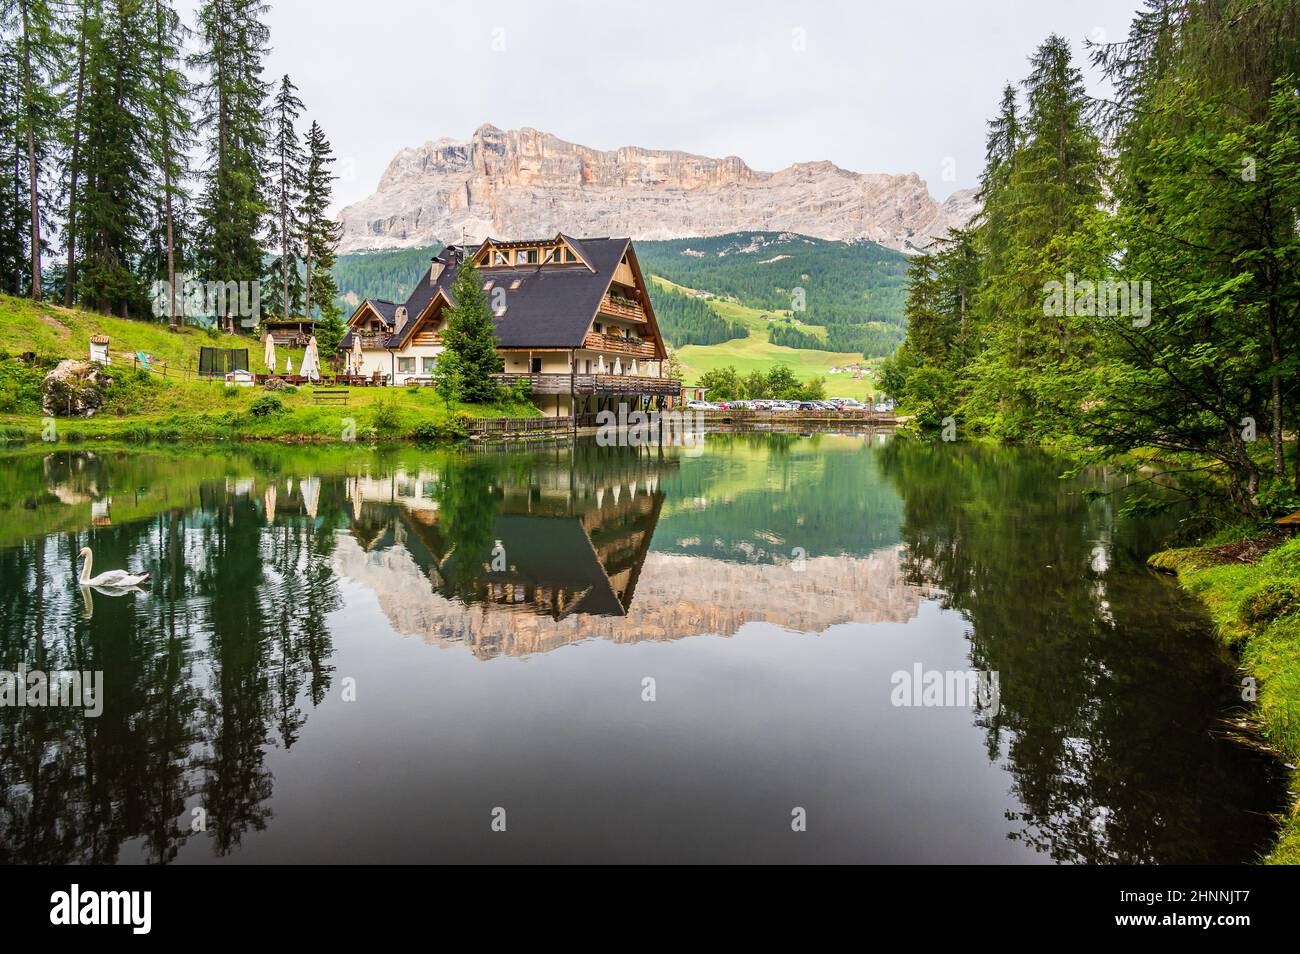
point(469, 337)
point(232, 208)
point(286, 181)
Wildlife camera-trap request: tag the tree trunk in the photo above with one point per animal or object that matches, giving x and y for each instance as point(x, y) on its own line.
point(74, 168)
point(165, 133)
point(32, 176)
point(307, 289)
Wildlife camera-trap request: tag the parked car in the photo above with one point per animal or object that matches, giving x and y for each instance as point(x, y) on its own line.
point(882, 408)
point(701, 406)
point(848, 404)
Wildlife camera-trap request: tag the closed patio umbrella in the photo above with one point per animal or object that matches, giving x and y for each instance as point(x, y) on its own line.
point(309, 487)
point(358, 356)
point(268, 357)
point(288, 364)
point(310, 361)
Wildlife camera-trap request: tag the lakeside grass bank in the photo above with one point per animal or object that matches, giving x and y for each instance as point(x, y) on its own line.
point(1251, 588)
point(141, 407)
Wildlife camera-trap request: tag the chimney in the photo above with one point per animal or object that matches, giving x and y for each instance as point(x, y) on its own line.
point(435, 269)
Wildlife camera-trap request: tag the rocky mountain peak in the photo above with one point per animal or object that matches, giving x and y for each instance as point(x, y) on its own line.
point(527, 182)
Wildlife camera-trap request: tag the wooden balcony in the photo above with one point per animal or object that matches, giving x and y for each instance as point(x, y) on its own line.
point(635, 384)
point(594, 384)
point(622, 308)
point(617, 344)
point(376, 342)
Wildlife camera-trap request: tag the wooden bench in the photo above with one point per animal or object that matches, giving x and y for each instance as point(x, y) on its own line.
point(330, 396)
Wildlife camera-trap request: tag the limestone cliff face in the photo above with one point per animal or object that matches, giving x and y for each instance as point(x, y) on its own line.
point(525, 183)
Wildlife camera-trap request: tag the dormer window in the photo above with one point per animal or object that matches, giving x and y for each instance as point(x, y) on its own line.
point(500, 258)
point(526, 256)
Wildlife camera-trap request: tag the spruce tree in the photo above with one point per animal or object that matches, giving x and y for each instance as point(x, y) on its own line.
point(232, 207)
point(14, 259)
point(87, 26)
point(320, 237)
point(286, 181)
point(170, 136)
point(114, 206)
point(469, 337)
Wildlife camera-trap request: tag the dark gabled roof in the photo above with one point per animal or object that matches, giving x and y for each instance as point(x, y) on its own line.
point(554, 304)
point(552, 307)
point(386, 310)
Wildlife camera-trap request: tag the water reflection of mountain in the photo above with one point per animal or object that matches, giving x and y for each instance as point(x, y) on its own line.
point(566, 556)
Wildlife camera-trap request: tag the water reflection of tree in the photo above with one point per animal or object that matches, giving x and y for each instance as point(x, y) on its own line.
point(1113, 761)
point(75, 788)
point(469, 499)
point(198, 676)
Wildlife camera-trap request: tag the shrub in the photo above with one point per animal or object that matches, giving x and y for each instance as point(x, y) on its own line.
point(385, 414)
point(231, 394)
point(20, 387)
point(266, 406)
point(453, 428)
point(1270, 601)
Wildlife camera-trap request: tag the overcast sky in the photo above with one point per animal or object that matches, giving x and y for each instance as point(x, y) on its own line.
point(872, 85)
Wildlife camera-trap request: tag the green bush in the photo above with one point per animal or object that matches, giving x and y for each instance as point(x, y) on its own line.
point(20, 388)
point(386, 414)
point(1272, 600)
point(266, 406)
point(453, 428)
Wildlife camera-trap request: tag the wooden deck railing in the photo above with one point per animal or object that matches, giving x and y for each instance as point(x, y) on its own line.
point(616, 344)
point(618, 308)
point(594, 384)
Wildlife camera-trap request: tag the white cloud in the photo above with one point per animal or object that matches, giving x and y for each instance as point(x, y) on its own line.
point(885, 86)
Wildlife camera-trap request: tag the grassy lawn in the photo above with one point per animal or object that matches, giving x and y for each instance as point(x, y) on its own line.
point(53, 331)
point(1256, 609)
point(757, 352)
point(142, 406)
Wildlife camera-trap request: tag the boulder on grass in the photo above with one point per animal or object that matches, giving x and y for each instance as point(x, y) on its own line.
point(74, 389)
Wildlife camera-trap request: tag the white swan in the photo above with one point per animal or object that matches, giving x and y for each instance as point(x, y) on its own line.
point(113, 579)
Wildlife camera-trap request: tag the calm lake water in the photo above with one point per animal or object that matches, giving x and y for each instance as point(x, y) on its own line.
point(372, 655)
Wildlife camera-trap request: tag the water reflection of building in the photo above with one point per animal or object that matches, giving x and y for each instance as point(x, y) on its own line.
point(568, 558)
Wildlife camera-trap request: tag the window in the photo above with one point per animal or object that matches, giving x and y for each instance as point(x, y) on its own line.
point(596, 327)
point(500, 258)
point(535, 365)
point(526, 256)
point(428, 365)
point(405, 365)
point(514, 285)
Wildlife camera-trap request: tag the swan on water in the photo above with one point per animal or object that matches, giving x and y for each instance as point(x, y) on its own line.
point(113, 579)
